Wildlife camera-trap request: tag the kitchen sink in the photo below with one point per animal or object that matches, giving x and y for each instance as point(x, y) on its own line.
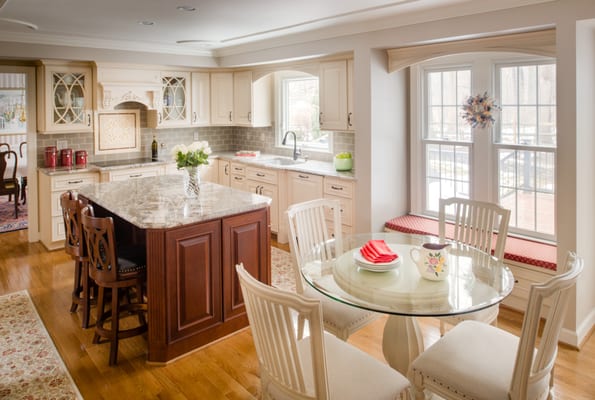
point(283, 161)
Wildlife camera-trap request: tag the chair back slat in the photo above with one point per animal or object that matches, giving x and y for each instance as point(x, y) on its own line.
point(271, 313)
point(100, 246)
point(73, 229)
point(475, 223)
point(8, 165)
point(313, 237)
point(533, 366)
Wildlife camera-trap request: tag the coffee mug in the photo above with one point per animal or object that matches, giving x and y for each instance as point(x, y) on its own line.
point(431, 260)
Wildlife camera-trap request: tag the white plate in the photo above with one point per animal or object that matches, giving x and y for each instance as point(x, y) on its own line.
point(361, 262)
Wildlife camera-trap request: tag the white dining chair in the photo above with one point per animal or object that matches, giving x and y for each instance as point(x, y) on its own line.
point(474, 223)
point(315, 236)
point(319, 366)
point(479, 361)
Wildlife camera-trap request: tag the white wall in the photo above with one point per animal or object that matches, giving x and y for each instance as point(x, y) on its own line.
point(584, 314)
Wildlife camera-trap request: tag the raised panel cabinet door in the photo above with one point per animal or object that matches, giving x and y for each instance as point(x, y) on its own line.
point(201, 98)
point(193, 284)
point(333, 95)
point(246, 239)
point(222, 98)
point(224, 177)
point(242, 98)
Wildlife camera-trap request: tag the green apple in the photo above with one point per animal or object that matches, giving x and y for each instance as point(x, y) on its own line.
point(344, 154)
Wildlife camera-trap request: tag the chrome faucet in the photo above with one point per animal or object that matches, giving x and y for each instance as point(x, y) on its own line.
point(296, 152)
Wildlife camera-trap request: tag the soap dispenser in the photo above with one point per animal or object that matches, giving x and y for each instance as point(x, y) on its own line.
point(154, 152)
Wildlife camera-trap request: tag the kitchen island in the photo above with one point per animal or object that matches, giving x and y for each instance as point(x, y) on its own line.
point(192, 246)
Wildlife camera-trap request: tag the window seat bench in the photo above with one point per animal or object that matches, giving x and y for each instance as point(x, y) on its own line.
point(522, 251)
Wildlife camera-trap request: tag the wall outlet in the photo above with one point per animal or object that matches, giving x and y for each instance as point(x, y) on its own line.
point(195, 135)
point(61, 144)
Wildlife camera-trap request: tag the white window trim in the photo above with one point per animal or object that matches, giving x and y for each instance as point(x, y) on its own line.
point(483, 155)
point(279, 76)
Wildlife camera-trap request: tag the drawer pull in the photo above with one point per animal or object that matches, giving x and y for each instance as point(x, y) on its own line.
point(260, 175)
point(238, 178)
point(75, 182)
point(303, 176)
point(135, 175)
point(336, 187)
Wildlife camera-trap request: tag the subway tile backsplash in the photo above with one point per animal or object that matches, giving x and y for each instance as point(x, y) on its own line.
point(220, 139)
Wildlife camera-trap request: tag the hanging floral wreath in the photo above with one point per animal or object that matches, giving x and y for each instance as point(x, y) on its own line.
point(478, 110)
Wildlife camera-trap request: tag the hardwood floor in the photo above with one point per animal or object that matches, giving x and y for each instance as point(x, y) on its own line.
point(224, 370)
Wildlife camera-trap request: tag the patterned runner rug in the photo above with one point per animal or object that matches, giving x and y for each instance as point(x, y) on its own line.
point(282, 273)
point(8, 222)
point(31, 367)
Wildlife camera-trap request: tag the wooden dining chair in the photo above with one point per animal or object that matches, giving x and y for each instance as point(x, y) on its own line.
point(319, 366)
point(74, 246)
point(479, 361)
point(123, 275)
point(315, 236)
point(474, 223)
point(9, 184)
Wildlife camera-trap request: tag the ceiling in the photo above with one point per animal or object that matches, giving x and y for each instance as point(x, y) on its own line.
point(204, 26)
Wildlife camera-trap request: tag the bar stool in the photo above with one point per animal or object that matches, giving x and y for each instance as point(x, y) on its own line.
point(74, 246)
point(109, 271)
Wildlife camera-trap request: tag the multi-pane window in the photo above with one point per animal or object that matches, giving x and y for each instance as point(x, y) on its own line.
point(300, 108)
point(525, 140)
point(512, 163)
point(446, 140)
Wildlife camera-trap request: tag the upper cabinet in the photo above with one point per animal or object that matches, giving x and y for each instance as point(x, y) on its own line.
point(201, 99)
point(238, 100)
point(175, 106)
point(222, 98)
point(64, 97)
point(252, 100)
point(336, 108)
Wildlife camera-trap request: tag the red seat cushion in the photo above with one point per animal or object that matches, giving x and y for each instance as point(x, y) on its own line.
point(524, 251)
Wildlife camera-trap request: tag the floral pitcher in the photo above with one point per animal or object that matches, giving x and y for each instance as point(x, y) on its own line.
point(431, 260)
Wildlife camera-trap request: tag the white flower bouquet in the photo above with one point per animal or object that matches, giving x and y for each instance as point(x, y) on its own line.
point(193, 155)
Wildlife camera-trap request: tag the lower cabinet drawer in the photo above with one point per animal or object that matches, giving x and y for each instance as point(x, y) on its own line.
point(71, 182)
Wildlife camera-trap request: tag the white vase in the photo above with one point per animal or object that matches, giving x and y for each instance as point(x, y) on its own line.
point(192, 182)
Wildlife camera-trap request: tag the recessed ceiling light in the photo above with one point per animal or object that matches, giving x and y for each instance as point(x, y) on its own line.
point(185, 8)
point(146, 23)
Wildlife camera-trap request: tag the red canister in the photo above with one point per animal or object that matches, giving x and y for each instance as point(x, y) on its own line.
point(50, 156)
point(80, 157)
point(66, 157)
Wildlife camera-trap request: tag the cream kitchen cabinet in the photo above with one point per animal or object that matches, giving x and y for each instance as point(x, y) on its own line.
point(174, 110)
point(222, 98)
point(239, 101)
point(265, 181)
point(51, 222)
point(302, 187)
point(201, 98)
point(64, 97)
point(238, 176)
point(336, 106)
point(224, 177)
point(132, 173)
point(252, 100)
point(342, 190)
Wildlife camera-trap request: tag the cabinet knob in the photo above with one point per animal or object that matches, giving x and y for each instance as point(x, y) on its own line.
point(320, 118)
point(230, 117)
point(349, 119)
point(89, 119)
point(194, 117)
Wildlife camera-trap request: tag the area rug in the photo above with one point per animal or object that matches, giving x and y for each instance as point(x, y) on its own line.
point(282, 272)
point(8, 222)
point(31, 367)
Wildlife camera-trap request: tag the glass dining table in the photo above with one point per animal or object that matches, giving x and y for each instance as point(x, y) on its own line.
point(475, 281)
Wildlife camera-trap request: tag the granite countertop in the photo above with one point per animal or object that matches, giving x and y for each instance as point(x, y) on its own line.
point(160, 203)
point(310, 166)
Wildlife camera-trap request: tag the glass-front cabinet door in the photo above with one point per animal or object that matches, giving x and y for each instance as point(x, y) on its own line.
point(175, 110)
point(67, 99)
